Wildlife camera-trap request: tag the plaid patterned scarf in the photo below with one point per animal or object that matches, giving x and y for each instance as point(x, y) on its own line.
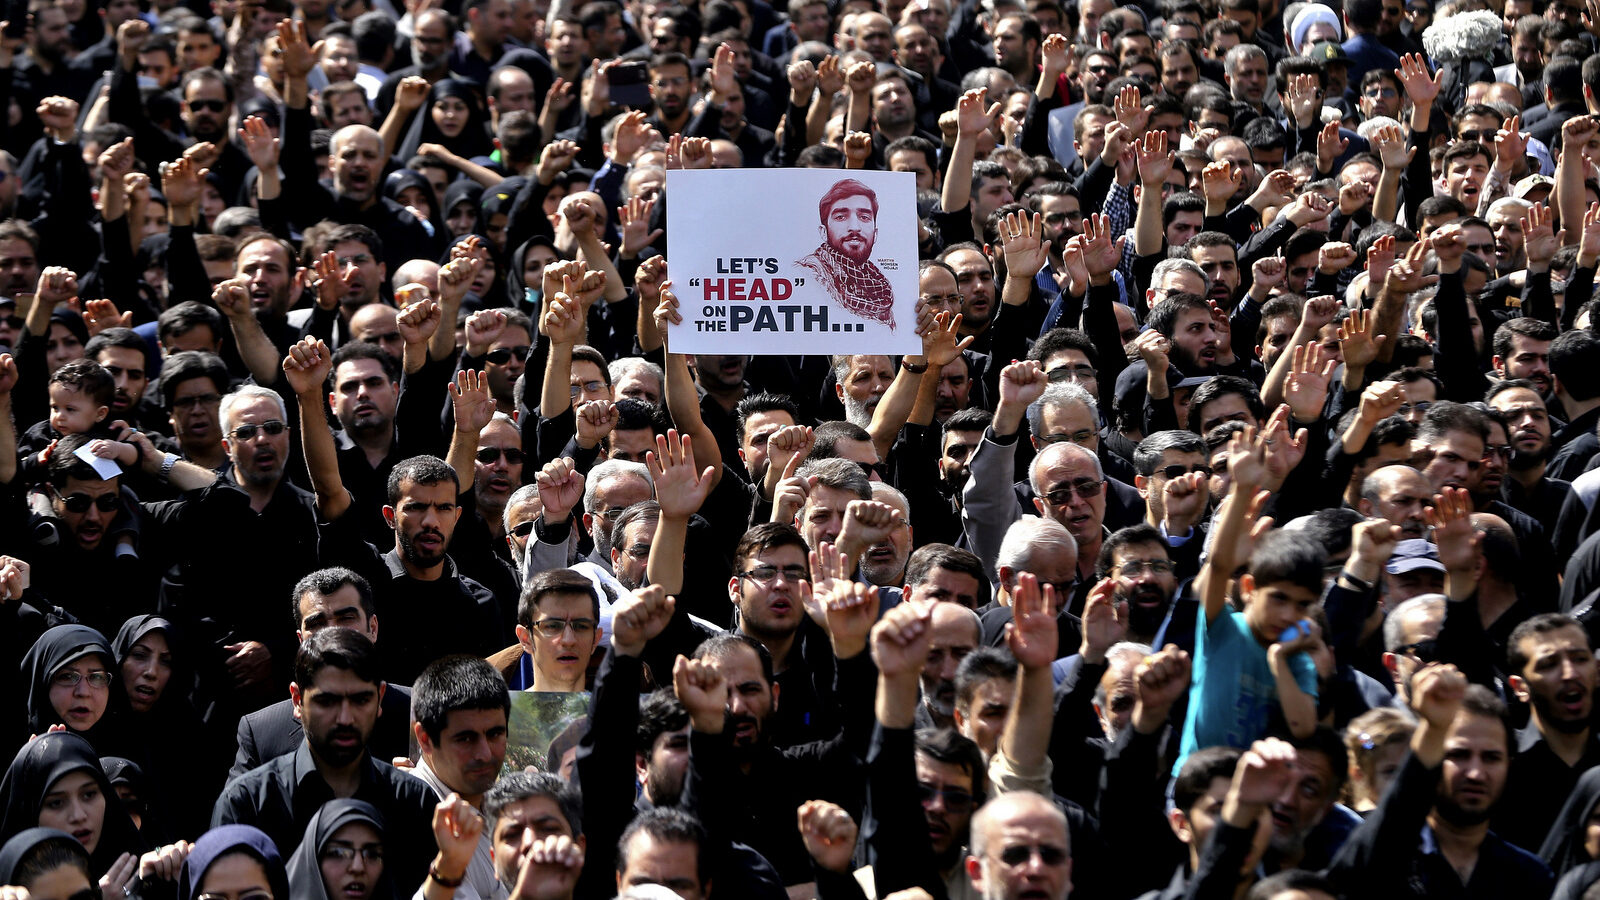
point(857, 286)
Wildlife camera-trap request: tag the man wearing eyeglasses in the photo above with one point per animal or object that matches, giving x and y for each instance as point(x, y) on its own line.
point(558, 626)
point(498, 465)
point(461, 706)
point(1380, 94)
point(192, 384)
point(1139, 562)
point(207, 109)
point(1067, 480)
point(430, 55)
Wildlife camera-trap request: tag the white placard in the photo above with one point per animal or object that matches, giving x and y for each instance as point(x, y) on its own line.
point(107, 469)
point(793, 261)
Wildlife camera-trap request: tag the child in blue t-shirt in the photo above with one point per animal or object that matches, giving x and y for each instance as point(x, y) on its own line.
point(1248, 661)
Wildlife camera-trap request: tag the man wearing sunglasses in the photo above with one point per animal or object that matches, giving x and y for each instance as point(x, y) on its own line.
point(1066, 481)
point(1410, 640)
point(1020, 848)
point(498, 465)
point(1174, 480)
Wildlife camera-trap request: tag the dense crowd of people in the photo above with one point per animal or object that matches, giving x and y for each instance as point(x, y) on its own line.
point(1232, 535)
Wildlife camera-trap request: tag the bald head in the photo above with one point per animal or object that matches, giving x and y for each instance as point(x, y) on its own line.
point(418, 271)
point(1069, 487)
point(1497, 545)
point(375, 324)
point(1061, 453)
point(355, 159)
point(1399, 494)
point(1020, 822)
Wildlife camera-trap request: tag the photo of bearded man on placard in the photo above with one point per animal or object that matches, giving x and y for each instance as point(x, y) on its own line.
point(849, 213)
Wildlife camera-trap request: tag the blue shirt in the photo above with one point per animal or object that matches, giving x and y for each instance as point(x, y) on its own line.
point(1233, 691)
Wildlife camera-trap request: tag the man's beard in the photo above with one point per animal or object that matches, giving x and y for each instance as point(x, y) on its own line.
point(375, 424)
point(413, 555)
point(1522, 460)
point(255, 477)
point(1550, 716)
point(955, 479)
point(1186, 361)
point(1286, 844)
point(942, 699)
point(334, 755)
point(856, 411)
point(896, 119)
point(269, 316)
point(212, 131)
point(627, 581)
point(427, 62)
point(1453, 813)
point(744, 749)
point(844, 250)
point(1143, 620)
point(663, 786)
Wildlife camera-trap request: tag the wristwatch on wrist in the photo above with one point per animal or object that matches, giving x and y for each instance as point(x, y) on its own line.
point(440, 880)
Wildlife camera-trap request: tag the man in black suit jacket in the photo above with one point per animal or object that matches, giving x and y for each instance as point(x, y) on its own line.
point(328, 598)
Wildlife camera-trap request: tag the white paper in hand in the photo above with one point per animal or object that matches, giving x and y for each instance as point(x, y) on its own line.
point(105, 468)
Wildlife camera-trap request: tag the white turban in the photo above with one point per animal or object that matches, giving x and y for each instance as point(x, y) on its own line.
point(1309, 15)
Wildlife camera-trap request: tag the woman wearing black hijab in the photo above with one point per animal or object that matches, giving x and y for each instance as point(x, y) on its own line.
point(412, 190)
point(132, 788)
point(462, 206)
point(56, 782)
point(69, 670)
point(50, 864)
point(452, 117)
point(234, 859)
point(488, 288)
point(1574, 837)
point(152, 723)
point(341, 857)
point(528, 272)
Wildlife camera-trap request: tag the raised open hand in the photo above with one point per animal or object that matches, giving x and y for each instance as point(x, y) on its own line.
point(472, 401)
point(1358, 346)
point(680, 487)
point(847, 607)
point(1421, 87)
point(634, 217)
point(1024, 245)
